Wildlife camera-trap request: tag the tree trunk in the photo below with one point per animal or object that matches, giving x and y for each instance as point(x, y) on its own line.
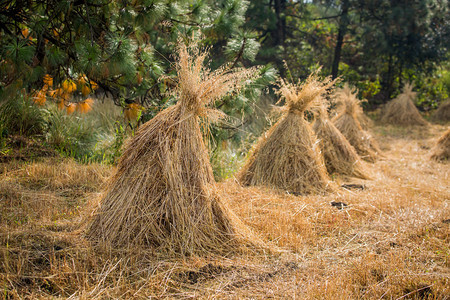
point(387, 82)
point(280, 34)
point(343, 23)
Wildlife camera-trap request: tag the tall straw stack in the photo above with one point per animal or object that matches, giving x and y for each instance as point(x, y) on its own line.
point(163, 194)
point(441, 151)
point(401, 111)
point(288, 156)
point(347, 123)
point(340, 157)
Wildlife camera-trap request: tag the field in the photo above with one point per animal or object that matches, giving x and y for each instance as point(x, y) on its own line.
point(385, 238)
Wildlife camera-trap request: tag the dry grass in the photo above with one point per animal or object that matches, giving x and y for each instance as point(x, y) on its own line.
point(46, 191)
point(401, 111)
point(288, 156)
point(163, 195)
point(339, 155)
point(390, 242)
point(348, 124)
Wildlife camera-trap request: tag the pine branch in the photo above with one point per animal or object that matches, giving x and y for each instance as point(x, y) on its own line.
point(240, 53)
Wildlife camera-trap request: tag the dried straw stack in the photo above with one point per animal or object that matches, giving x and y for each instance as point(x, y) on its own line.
point(401, 111)
point(347, 123)
point(442, 113)
point(441, 152)
point(163, 193)
point(288, 156)
point(339, 155)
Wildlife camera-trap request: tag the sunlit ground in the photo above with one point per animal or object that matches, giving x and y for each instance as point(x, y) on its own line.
point(391, 240)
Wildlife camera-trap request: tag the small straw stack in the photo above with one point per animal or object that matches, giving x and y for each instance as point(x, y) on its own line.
point(347, 123)
point(442, 113)
point(339, 155)
point(441, 152)
point(401, 111)
point(288, 156)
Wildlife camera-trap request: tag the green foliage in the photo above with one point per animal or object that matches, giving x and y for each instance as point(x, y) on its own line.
point(94, 137)
point(114, 42)
point(20, 116)
point(240, 108)
point(72, 136)
point(433, 89)
point(19, 51)
point(226, 161)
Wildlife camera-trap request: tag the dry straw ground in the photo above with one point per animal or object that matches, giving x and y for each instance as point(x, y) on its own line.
point(390, 242)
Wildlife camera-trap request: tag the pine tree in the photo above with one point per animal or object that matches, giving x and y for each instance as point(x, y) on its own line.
point(122, 46)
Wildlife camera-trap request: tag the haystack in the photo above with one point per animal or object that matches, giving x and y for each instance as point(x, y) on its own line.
point(347, 123)
point(288, 156)
point(401, 111)
point(441, 152)
point(340, 157)
point(163, 194)
point(442, 113)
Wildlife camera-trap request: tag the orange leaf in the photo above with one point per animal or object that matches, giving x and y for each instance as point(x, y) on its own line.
point(25, 32)
point(61, 104)
point(85, 90)
point(48, 80)
point(39, 98)
point(85, 106)
point(70, 108)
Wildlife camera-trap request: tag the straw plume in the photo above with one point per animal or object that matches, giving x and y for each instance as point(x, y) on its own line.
point(163, 194)
point(339, 155)
point(347, 123)
point(402, 111)
point(288, 156)
point(197, 86)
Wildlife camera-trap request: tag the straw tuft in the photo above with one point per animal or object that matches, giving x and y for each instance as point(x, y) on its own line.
point(163, 194)
point(339, 155)
point(288, 156)
point(347, 123)
point(401, 111)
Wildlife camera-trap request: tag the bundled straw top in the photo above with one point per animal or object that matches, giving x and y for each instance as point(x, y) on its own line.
point(300, 97)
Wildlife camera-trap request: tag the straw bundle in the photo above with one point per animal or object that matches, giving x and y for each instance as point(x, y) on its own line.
point(288, 155)
point(340, 157)
point(163, 193)
point(442, 114)
point(401, 111)
point(347, 123)
point(441, 152)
